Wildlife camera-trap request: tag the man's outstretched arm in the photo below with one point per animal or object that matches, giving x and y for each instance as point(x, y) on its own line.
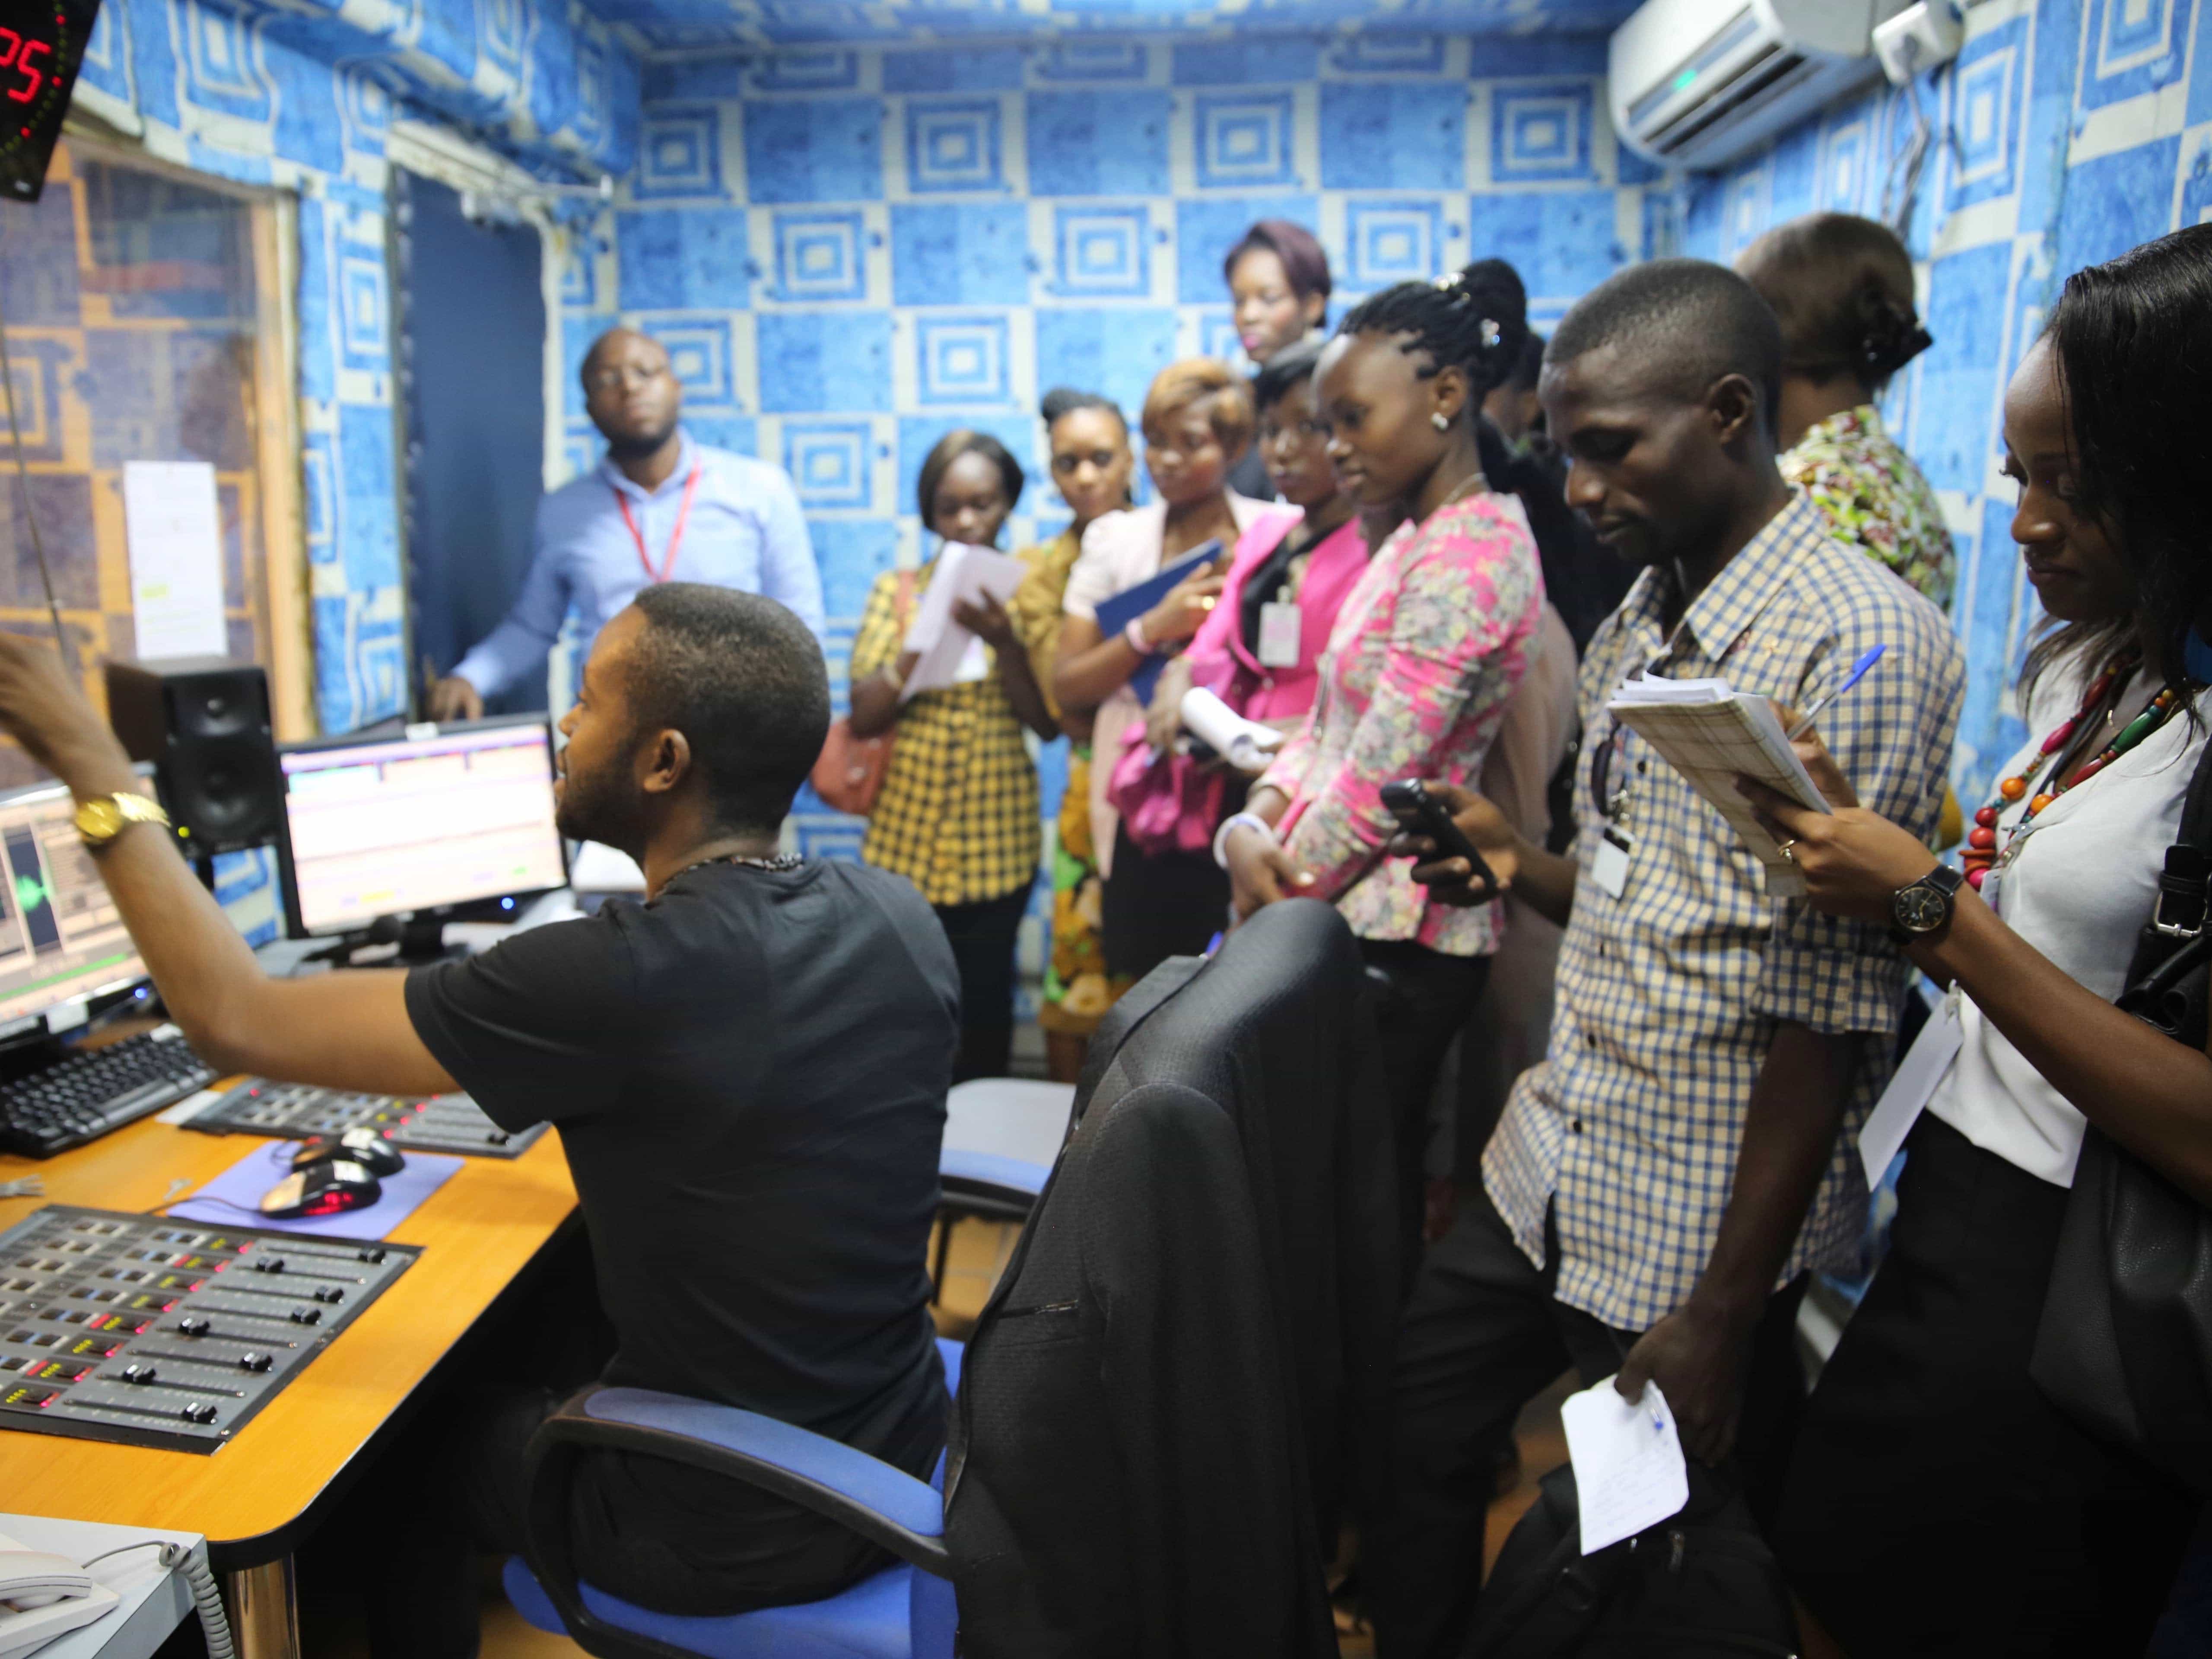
point(347, 1030)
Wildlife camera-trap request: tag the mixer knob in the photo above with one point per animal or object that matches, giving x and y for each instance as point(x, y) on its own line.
point(194, 1325)
point(253, 1361)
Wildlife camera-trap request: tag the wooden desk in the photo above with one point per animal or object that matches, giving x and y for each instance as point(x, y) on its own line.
point(254, 1498)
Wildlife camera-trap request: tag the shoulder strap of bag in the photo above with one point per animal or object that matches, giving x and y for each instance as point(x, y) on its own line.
point(2175, 943)
point(2185, 886)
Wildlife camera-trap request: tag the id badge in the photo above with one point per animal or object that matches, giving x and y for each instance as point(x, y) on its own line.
point(1280, 625)
point(1926, 1064)
point(1610, 868)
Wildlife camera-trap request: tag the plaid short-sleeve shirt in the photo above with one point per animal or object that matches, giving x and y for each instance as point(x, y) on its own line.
point(1669, 996)
point(958, 816)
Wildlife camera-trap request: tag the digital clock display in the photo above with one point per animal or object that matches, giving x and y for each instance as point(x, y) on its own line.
point(41, 44)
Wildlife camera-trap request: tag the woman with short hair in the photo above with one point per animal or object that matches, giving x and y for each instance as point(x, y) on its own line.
point(957, 813)
point(1279, 289)
point(1197, 417)
point(1088, 439)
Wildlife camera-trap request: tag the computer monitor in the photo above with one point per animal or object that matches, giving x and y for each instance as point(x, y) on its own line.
point(422, 825)
point(62, 940)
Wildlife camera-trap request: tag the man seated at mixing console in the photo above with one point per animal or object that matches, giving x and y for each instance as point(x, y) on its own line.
point(748, 1070)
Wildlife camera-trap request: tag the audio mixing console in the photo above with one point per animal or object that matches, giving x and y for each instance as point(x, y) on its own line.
point(150, 1332)
point(294, 1111)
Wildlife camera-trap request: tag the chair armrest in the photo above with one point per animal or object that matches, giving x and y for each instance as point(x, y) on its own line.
point(882, 1504)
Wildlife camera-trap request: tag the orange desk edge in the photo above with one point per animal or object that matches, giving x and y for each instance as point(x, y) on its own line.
point(478, 1230)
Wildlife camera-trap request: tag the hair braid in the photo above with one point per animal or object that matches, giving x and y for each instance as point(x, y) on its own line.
point(1476, 322)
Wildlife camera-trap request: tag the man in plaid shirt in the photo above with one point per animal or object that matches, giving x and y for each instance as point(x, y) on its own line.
point(1657, 1190)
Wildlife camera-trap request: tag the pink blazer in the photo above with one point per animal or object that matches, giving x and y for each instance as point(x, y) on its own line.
point(1165, 800)
point(1217, 651)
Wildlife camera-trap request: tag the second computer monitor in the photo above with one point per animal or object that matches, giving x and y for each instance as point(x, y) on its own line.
point(444, 816)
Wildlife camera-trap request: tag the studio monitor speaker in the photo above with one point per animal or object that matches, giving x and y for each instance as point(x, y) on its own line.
point(204, 721)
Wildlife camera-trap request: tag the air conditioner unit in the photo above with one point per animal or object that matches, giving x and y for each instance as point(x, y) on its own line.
point(1696, 84)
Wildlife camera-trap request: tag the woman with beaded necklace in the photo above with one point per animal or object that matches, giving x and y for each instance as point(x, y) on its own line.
point(2027, 1536)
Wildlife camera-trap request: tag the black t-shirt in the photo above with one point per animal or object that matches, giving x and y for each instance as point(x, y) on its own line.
point(748, 1076)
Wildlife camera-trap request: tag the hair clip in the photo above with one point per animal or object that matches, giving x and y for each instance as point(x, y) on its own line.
point(1491, 332)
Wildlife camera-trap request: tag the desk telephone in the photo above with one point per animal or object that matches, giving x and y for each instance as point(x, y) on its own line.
point(43, 1597)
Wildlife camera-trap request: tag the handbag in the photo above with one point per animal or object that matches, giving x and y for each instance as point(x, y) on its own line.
point(848, 774)
point(2125, 1343)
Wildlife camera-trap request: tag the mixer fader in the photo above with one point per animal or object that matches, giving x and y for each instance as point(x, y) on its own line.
point(152, 1332)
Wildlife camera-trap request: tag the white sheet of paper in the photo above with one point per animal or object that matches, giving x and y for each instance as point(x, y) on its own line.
point(1245, 744)
point(1629, 1472)
point(1911, 1088)
point(174, 530)
point(964, 573)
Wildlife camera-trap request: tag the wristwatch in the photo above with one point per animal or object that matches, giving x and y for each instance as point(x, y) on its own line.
point(1923, 907)
point(103, 817)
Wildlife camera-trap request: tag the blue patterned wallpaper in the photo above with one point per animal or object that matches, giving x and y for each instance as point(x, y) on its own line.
point(851, 250)
point(300, 96)
point(2067, 132)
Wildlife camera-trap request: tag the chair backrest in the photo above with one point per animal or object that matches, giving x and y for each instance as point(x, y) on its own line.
point(1277, 1028)
point(1208, 1284)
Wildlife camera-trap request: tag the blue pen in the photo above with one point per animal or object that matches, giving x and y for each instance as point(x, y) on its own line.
point(1857, 673)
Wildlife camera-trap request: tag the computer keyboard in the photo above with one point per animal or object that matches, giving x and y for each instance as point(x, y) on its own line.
point(92, 1092)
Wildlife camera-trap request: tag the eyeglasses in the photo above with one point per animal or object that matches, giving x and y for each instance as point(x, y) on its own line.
point(614, 380)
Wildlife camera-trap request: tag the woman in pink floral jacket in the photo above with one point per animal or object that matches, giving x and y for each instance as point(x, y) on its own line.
point(1431, 644)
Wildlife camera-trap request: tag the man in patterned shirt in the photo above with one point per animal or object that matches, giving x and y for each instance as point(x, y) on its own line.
point(1657, 1190)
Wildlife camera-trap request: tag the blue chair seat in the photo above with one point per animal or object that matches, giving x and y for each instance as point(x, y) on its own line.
point(874, 1620)
point(900, 1612)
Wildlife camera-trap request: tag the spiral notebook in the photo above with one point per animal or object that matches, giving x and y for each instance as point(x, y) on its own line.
point(1710, 733)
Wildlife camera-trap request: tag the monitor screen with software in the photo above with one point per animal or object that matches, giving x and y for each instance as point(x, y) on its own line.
point(447, 815)
point(61, 936)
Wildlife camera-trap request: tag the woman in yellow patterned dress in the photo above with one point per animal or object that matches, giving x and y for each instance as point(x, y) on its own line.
point(1091, 463)
point(958, 816)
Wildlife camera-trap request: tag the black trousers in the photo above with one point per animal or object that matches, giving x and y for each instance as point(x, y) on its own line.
point(1426, 1004)
point(1157, 905)
point(1937, 1503)
point(452, 1488)
point(1482, 1336)
point(982, 936)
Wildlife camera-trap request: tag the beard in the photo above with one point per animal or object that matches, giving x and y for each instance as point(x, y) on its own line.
point(603, 806)
point(635, 445)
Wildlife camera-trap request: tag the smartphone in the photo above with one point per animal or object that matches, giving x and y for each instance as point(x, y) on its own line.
point(1420, 813)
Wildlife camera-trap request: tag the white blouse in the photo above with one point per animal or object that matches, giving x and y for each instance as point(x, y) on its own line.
point(2079, 887)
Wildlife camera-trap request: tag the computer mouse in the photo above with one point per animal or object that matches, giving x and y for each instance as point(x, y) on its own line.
point(366, 1147)
point(325, 1189)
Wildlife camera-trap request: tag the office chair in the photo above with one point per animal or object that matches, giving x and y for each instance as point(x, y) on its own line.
point(904, 1612)
point(1001, 1137)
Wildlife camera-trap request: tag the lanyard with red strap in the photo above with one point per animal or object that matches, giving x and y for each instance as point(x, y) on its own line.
point(675, 537)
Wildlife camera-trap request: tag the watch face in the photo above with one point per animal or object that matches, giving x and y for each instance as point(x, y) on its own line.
point(1921, 909)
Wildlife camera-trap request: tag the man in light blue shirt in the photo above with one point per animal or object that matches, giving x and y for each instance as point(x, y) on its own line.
point(658, 508)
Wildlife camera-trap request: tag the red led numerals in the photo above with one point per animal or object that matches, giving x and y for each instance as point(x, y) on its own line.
point(17, 53)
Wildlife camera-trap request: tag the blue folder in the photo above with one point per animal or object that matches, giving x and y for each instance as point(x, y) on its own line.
point(1116, 613)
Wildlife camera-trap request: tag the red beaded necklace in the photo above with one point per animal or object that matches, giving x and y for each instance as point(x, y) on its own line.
point(1981, 850)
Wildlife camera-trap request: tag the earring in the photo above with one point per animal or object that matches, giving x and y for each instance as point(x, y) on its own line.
point(1439, 422)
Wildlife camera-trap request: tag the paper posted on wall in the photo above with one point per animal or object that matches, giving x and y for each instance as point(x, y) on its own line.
point(1710, 733)
point(949, 652)
point(174, 530)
